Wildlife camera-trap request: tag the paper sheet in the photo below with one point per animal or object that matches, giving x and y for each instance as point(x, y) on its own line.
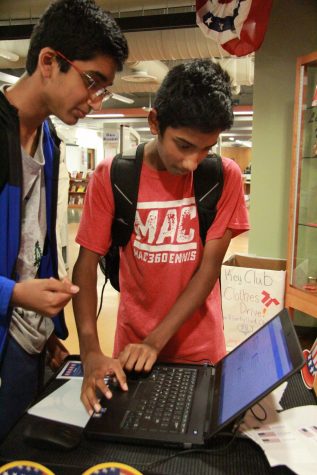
point(63, 405)
point(287, 438)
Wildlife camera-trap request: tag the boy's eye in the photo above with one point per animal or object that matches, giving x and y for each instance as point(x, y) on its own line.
point(92, 82)
point(183, 146)
point(88, 81)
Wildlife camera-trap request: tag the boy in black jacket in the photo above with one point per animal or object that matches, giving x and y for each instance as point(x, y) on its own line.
point(75, 51)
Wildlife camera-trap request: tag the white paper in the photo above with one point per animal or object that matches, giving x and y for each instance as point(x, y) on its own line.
point(63, 405)
point(287, 438)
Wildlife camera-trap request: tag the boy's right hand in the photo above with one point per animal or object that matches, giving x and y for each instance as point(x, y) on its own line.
point(44, 296)
point(96, 367)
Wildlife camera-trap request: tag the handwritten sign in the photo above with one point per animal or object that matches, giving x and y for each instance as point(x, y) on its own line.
point(250, 297)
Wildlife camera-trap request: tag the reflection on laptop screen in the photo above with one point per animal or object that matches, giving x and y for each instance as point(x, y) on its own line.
point(245, 376)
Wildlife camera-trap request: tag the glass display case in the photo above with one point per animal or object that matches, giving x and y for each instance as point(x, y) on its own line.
point(301, 285)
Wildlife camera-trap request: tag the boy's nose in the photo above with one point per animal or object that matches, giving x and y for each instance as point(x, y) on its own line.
point(190, 165)
point(192, 161)
point(96, 104)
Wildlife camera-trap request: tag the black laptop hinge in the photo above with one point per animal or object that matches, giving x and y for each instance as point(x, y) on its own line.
point(206, 431)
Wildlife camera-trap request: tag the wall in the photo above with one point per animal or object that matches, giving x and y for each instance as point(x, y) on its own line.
point(291, 33)
point(241, 155)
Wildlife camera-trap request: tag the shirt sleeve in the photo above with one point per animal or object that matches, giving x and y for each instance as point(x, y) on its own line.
point(6, 289)
point(94, 232)
point(231, 209)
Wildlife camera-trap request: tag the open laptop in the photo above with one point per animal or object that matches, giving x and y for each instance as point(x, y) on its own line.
point(213, 396)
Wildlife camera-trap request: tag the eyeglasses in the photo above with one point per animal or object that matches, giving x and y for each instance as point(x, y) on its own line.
point(95, 90)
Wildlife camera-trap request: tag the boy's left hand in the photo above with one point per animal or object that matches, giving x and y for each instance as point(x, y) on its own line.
point(138, 357)
point(57, 353)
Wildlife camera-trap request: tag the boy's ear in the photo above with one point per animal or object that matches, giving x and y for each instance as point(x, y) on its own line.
point(153, 122)
point(46, 61)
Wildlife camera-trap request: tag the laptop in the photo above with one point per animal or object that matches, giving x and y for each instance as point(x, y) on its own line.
point(185, 405)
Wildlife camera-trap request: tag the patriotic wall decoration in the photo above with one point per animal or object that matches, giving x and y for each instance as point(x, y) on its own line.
point(112, 468)
point(239, 26)
point(24, 467)
point(309, 370)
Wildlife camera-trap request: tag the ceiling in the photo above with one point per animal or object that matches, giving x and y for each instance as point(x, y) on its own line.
point(160, 35)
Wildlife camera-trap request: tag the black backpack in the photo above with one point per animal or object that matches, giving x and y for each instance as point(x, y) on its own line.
point(125, 176)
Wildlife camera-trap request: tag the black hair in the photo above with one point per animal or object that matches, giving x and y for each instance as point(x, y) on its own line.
point(196, 95)
point(79, 29)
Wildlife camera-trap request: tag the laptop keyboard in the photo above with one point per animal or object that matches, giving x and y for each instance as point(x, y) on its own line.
point(164, 401)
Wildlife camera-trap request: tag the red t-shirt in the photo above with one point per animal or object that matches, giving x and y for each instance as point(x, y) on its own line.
point(162, 255)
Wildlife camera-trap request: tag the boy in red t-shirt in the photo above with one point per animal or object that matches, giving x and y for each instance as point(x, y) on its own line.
point(170, 303)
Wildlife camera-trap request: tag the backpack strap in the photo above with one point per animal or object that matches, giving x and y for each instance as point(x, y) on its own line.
point(125, 176)
point(208, 186)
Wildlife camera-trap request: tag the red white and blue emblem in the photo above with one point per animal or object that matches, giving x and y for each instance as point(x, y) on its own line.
point(309, 370)
point(24, 467)
point(112, 468)
point(238, 26)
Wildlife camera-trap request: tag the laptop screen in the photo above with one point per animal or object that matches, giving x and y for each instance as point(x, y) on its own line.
point(244, 377)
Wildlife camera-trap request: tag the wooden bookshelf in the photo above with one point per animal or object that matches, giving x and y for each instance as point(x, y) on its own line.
point(77, 190)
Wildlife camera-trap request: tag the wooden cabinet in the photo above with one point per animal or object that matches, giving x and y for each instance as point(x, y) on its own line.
point(301, 283)
point(77, 190)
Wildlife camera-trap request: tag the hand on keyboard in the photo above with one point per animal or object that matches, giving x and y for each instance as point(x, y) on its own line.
point(138, 357)
point(96, 367)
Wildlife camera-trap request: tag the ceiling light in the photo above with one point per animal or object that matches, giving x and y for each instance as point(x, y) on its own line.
point(139, 77)
point(118, 97)
point(243, 112)
point(101, 116)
